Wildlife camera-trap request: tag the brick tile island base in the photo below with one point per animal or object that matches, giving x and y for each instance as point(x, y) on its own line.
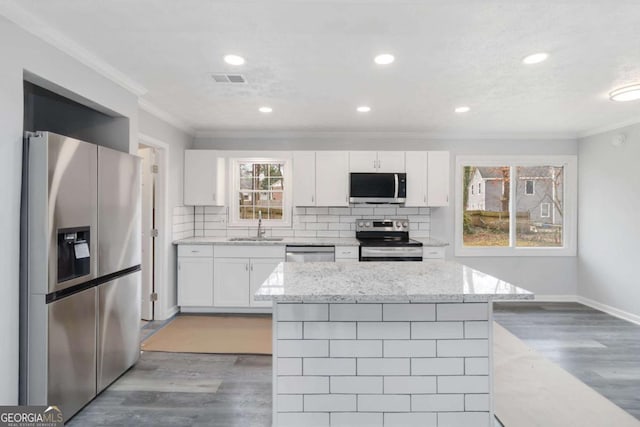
point(385, 352)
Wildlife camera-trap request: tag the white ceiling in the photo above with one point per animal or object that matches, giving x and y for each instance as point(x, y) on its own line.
point(312, 61)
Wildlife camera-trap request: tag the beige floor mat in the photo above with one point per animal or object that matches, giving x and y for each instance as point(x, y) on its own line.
point(213, 334)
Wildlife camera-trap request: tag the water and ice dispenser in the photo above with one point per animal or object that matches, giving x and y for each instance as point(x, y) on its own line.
point(74, 257)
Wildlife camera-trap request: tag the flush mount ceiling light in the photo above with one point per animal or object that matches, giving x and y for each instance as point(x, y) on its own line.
point(462, 109)
point(535, 58)
point(234, 59)
point(363, 109)
point(265, 109)
point(384, 59)
point(627, 93)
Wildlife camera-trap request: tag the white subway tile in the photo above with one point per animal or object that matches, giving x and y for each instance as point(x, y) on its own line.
point(318, 211)
point(304, 233)
point(437, 330)
point(476, 329)
point(289, 366)
point(306, 419)
point(409, 385)
point(356, 385)
point(409, 312)
point(299, 211)
point(383, 330)
point(303, 385)
point(329, 366)
point(425, 211)
point(464, 419)
point(361, 211)
point(407, 211)
point(463, 311)
point(462, 348)
point(351, 312)
point(410, 420)
point(328, 218)
point(280, 232)
point(355, 419)
point(307, 218)
point(317, 226)
point(384, 403)
point(463, 384)
point(303, 348)
point(476, 366)
point(355, 348)
point(476, 402)
point(436, 366)
point(289, 403)
point(347, 233)
point(329, 330)
point(330, 403)
point(351, 219)
point(328, 233)
point(437, 403)
point(339, 211)
point(289, 330)
point(339, 226)
point(409, 348)
point(386, 366)
point(384, 211)
point(293, 312)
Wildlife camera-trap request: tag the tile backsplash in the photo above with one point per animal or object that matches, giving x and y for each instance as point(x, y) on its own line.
point(212, 221)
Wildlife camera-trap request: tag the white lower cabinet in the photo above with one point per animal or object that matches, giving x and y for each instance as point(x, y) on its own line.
point(195, 281)
point(231, 282)
point(260, 269)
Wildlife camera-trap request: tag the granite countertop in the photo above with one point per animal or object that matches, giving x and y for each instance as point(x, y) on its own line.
point(309, 241)
point(384, 281)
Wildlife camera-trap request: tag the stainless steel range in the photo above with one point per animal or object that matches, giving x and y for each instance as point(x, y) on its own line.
point(387, 240)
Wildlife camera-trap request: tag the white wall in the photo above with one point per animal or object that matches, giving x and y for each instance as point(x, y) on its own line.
point(178, 141)
point(21, 51)
point(542, 275)
point(608, 224)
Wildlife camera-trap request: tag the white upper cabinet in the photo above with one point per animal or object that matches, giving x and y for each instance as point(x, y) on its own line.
point(304, 178)
point(438, 178)
point(332, 178)
point(376, 161)
point(204, 178)
point(416, 164)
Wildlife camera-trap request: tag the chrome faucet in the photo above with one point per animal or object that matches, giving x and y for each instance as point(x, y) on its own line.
point(260, 230)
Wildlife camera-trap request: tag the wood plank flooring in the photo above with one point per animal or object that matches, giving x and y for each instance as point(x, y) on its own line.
point(600, 350)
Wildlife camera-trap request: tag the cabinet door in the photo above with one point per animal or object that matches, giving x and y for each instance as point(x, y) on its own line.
point(416, 164)
point(304, 178)
point(332, 178)
point(231, 282)
point(204, 181)
point(363, 161)
point(260, 270)
point(391, 161)
point(438, 178)
point(195, 282)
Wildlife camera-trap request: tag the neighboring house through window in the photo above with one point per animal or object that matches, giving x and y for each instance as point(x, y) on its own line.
point(529, 187)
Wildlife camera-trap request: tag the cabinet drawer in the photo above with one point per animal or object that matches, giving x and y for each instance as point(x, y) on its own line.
point(246, 251)
point(195, 250)
point(431, 252)
point(346, 252)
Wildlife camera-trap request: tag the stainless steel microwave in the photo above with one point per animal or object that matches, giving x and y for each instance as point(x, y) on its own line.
point(378, 187)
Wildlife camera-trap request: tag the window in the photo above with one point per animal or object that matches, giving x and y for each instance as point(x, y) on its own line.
point(260, 191)
point(528, 187)
point(479, 188)
point(527, 206)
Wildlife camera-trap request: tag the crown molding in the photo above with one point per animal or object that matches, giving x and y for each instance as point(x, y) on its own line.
point(608, 128)
point(163, 115)
point(45, 32)
point(323, 134)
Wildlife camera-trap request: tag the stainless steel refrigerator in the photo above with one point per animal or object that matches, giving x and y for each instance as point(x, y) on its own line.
point(80, 270)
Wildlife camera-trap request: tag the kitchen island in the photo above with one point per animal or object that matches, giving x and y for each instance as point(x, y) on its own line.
point(383, 344)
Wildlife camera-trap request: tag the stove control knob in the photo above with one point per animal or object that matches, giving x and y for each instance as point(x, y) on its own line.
point(367, 224)
point(398, 224)
point(405, 224)
point(361, 224)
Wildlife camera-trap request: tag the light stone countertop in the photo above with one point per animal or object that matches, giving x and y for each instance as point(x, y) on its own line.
point(428, 281)
point(310, 241)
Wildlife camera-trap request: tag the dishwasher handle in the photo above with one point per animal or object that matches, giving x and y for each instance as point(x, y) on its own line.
point(310, 254)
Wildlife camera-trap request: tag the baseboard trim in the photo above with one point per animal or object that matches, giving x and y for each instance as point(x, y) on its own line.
point(230, 310)
point(621, 314)
point(172, 311)
point(556, 298)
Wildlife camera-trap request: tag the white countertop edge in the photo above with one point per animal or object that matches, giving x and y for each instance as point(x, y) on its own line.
point(311, 241)
point(390, 298)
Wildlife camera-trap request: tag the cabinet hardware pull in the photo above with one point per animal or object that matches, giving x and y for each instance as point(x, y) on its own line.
point(246, 267)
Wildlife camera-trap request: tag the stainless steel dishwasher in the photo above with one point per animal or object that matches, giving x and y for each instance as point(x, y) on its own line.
point(300, 253)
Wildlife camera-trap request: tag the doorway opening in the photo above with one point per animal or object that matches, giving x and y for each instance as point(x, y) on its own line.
point(149, 230)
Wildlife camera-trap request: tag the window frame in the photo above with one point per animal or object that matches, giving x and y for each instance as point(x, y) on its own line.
point(533, 187)
point(570, 191)
point(234, 207)
point(548, 206)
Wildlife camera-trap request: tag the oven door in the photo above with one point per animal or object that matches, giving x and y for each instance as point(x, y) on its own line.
point(390, 253)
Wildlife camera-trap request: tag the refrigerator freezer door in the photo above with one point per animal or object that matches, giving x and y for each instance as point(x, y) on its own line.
point(118, 327)
point(72, 352)
point(119, 236)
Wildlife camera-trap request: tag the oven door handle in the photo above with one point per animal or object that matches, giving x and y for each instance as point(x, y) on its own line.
point(395, 177)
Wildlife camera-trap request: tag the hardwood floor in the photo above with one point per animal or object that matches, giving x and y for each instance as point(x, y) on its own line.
point(600, 350)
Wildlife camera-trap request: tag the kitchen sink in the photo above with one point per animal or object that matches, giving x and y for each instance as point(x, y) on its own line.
point(255, 239)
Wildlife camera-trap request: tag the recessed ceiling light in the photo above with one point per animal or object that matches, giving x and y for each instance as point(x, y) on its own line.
point(234, 59)
point(384, 59)
point(363, 109)
point(265, 109)
point(627, 93)
point(535, 58)
point(462, 109)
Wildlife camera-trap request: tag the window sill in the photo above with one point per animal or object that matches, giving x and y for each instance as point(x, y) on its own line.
point(515, 252)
